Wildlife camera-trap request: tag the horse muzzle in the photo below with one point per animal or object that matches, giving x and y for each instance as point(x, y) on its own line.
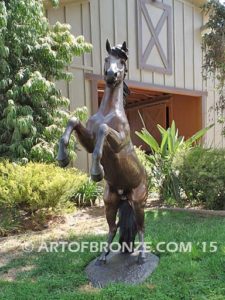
point(111, 77)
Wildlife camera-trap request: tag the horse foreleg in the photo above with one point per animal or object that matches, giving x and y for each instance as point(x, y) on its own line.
point(83, 135)
point(116, 140)
point(97, 172)
point(111, 201)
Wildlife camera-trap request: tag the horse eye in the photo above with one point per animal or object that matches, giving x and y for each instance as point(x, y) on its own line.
point(122, 61)
point(106, 59)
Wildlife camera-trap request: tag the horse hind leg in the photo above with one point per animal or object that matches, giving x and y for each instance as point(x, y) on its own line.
point(111, 201)
point(138, 199)
point(139, 213)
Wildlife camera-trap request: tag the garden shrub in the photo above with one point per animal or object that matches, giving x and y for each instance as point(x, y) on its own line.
point(35, 186)
point(202, 176)
point(144, 159)
point(88, 193)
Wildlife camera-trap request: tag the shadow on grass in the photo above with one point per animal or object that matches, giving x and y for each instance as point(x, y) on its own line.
point(194, 274)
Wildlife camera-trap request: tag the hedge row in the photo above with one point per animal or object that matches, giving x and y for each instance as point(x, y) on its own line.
point(35, 186)
point(201, 174)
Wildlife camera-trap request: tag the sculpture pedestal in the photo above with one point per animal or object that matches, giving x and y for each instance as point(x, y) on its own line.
point(121, 268)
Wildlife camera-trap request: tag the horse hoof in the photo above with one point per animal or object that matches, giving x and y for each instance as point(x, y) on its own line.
point(141, 260)
point(97, 173)
point(64, 162)
point(100, 262)
point(97, 177)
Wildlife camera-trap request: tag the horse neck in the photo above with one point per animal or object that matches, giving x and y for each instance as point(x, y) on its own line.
point(112, 99)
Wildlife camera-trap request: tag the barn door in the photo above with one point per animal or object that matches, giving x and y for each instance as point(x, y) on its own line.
point(155, 36)
point(153, 115)
point(135, 125)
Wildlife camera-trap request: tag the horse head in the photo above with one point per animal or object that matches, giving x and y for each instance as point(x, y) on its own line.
point(115, 68)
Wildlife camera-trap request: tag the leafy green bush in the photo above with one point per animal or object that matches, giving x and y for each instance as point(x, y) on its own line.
point(88, 193)
point(163, 155)
point(35, 186)
point(202, 176)
point(144, 159)
point(33, 55)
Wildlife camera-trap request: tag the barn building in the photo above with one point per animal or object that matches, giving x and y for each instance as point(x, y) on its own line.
point(164, 67)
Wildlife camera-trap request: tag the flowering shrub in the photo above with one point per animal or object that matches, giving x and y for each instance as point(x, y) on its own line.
point(33, 55)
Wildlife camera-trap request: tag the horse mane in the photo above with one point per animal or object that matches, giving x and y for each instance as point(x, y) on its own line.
point(126, 93)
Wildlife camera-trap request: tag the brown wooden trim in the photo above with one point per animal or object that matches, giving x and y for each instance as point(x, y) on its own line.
point(152, 87)
point(144, 104)
point(94, 95)
point(139, 36)
point(170, 40)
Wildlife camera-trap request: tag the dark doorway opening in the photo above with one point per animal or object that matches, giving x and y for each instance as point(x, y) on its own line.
point(154, 107)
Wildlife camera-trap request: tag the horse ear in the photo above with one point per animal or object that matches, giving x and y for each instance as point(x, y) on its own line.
point(108, 47)
point(124, 47)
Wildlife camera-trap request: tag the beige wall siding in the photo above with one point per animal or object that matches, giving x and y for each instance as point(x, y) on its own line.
point(134, 72)
point(96, 32)
point(117, 20)
point(197, 50)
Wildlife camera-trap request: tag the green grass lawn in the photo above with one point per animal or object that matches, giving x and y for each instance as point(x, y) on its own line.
point(192, 275)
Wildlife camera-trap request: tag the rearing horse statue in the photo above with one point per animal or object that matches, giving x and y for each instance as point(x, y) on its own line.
point(107, 137)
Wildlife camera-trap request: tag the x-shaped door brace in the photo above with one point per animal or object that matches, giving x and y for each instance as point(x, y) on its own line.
point(155, 31)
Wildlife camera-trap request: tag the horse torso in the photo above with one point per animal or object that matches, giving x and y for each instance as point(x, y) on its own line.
point(124, 162)
point(113, 119)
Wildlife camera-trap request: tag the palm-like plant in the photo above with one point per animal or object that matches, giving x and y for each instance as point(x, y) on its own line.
point(163, 155)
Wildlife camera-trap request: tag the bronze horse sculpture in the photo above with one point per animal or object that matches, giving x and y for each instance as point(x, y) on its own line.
point(107, 137)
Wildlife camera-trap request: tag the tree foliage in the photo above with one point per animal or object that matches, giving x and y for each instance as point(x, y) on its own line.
point(33, 55)
point(214, 46)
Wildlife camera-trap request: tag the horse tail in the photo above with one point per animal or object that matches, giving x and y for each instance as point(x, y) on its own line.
point(128, 226)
